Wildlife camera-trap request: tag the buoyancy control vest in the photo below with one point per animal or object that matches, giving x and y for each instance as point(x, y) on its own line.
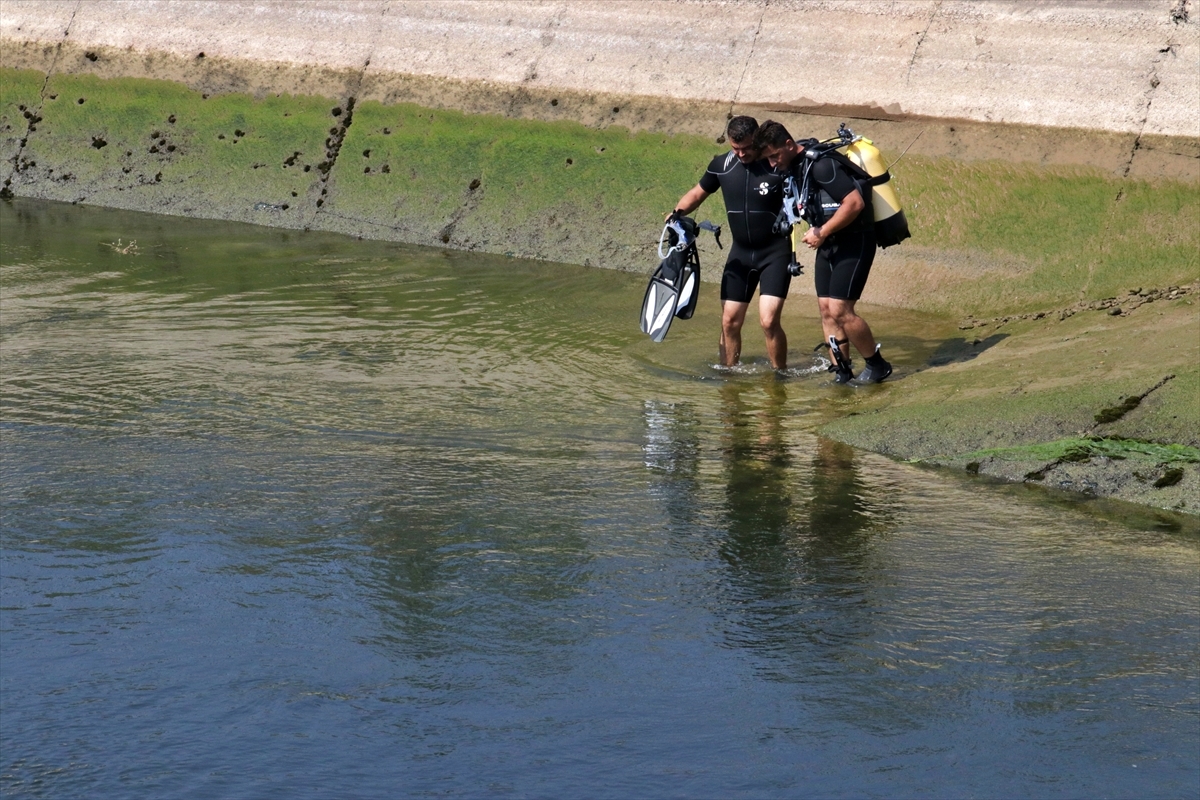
point(821, 205)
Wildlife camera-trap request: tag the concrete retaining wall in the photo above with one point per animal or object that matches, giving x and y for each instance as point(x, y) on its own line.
point(1127, 66)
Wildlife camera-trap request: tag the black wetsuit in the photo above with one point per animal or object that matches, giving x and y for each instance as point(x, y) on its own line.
point(753, 197)
point(844, 261)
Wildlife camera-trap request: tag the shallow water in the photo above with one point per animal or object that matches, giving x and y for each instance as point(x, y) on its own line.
point(292, 515)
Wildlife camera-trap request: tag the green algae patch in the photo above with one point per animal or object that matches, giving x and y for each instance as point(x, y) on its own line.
point(1054, 235)
point(1023, 405)
point(1079, 449)
point(988, 237)
point(1038, 381)
point(20, 101)
point(157, 146)
point(1150, 473)
point(549, 190)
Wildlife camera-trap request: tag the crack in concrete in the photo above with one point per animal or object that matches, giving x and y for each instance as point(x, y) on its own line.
point(1109, 415)
point(34, 116)
point(749, 57)
point(917, 49)
point(337, 135)
point(546, 39)
point(469, 205)
point(1171, 49)
point(1179, 12)
point(1104, 417)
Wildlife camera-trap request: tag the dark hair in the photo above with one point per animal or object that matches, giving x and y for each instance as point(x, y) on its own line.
point(771, 134)
point(741, 129)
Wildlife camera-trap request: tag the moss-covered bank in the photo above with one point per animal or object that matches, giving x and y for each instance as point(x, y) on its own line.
point(1076, 286)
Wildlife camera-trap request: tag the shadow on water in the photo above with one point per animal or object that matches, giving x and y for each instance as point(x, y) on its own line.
point(954, 351)
point(463, 563)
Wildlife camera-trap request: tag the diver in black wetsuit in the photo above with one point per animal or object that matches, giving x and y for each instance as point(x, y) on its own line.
point(759, 257)
point(843, 234)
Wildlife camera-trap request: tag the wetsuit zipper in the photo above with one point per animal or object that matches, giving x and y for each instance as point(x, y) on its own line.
point(746, 203)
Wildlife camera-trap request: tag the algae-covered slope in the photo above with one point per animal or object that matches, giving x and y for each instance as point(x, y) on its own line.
point(989, 237)
point(1097, 402)
point(1035, 259)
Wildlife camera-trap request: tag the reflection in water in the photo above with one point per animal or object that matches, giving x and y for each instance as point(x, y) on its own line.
point(758, 490)
point(461, 563)
point(844, 513)
point(798, 533)
point(672, 455)
point(285, 513)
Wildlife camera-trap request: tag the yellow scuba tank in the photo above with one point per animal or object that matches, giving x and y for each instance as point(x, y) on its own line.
point(890, 225)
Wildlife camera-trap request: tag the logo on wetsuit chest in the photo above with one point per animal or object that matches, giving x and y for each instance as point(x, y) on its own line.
point(764, 188)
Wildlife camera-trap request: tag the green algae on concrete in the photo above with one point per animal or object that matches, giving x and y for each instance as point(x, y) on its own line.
point(1047, 236)
point(20, 100)
point(157, 146)
point(1081, 448)
point(1035, 384)
point(988, 238)
point(549, 190)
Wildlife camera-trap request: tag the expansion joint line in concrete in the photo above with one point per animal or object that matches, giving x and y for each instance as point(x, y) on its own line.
point(34, 116)
point(337, 136)
point(1106, 416)
point(1171, 50)
point(749, 56)
point(531, 70)
point(547, 39)
point(920, 40)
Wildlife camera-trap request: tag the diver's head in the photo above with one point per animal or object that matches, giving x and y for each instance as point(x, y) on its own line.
point(740, 133)
point(776, 144)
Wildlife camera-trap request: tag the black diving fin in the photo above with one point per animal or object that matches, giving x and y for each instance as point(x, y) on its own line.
point(675, 285)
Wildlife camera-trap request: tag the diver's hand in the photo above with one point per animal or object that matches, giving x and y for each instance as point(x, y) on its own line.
point(814, 237)
point(674, 216)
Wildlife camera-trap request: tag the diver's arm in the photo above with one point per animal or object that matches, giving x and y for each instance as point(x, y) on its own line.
point(852, 206)
point(692, 200)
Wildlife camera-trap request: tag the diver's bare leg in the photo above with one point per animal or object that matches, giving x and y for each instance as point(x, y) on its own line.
point(770, 310)
point(732, 316)
point(839, 319)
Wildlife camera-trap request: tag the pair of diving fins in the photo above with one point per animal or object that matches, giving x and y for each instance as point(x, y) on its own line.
point(675, 285)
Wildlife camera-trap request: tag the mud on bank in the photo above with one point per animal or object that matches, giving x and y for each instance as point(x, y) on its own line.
point(1009, 236)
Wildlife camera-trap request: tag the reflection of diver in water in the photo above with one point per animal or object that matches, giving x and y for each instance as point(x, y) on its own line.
point(795, 552)
point(758, 494)
point(672, 453)
point(839, 518)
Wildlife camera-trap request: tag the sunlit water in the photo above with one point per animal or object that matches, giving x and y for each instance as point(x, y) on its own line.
point(293, 515)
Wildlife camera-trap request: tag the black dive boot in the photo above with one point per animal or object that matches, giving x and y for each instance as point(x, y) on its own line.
point(877, 368)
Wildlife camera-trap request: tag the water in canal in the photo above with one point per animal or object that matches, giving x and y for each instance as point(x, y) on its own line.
point(293, 515)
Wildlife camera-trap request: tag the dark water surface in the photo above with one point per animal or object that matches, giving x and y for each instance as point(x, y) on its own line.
point(291, 515)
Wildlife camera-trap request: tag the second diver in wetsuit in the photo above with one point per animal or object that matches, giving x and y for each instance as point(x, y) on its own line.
point(758, 257)
point(844, 237)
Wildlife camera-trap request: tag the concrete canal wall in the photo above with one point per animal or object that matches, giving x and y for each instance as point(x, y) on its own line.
point(1127, 66)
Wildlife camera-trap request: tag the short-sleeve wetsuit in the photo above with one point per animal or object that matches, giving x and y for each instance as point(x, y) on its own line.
point(758, 258)
point(844, 261)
